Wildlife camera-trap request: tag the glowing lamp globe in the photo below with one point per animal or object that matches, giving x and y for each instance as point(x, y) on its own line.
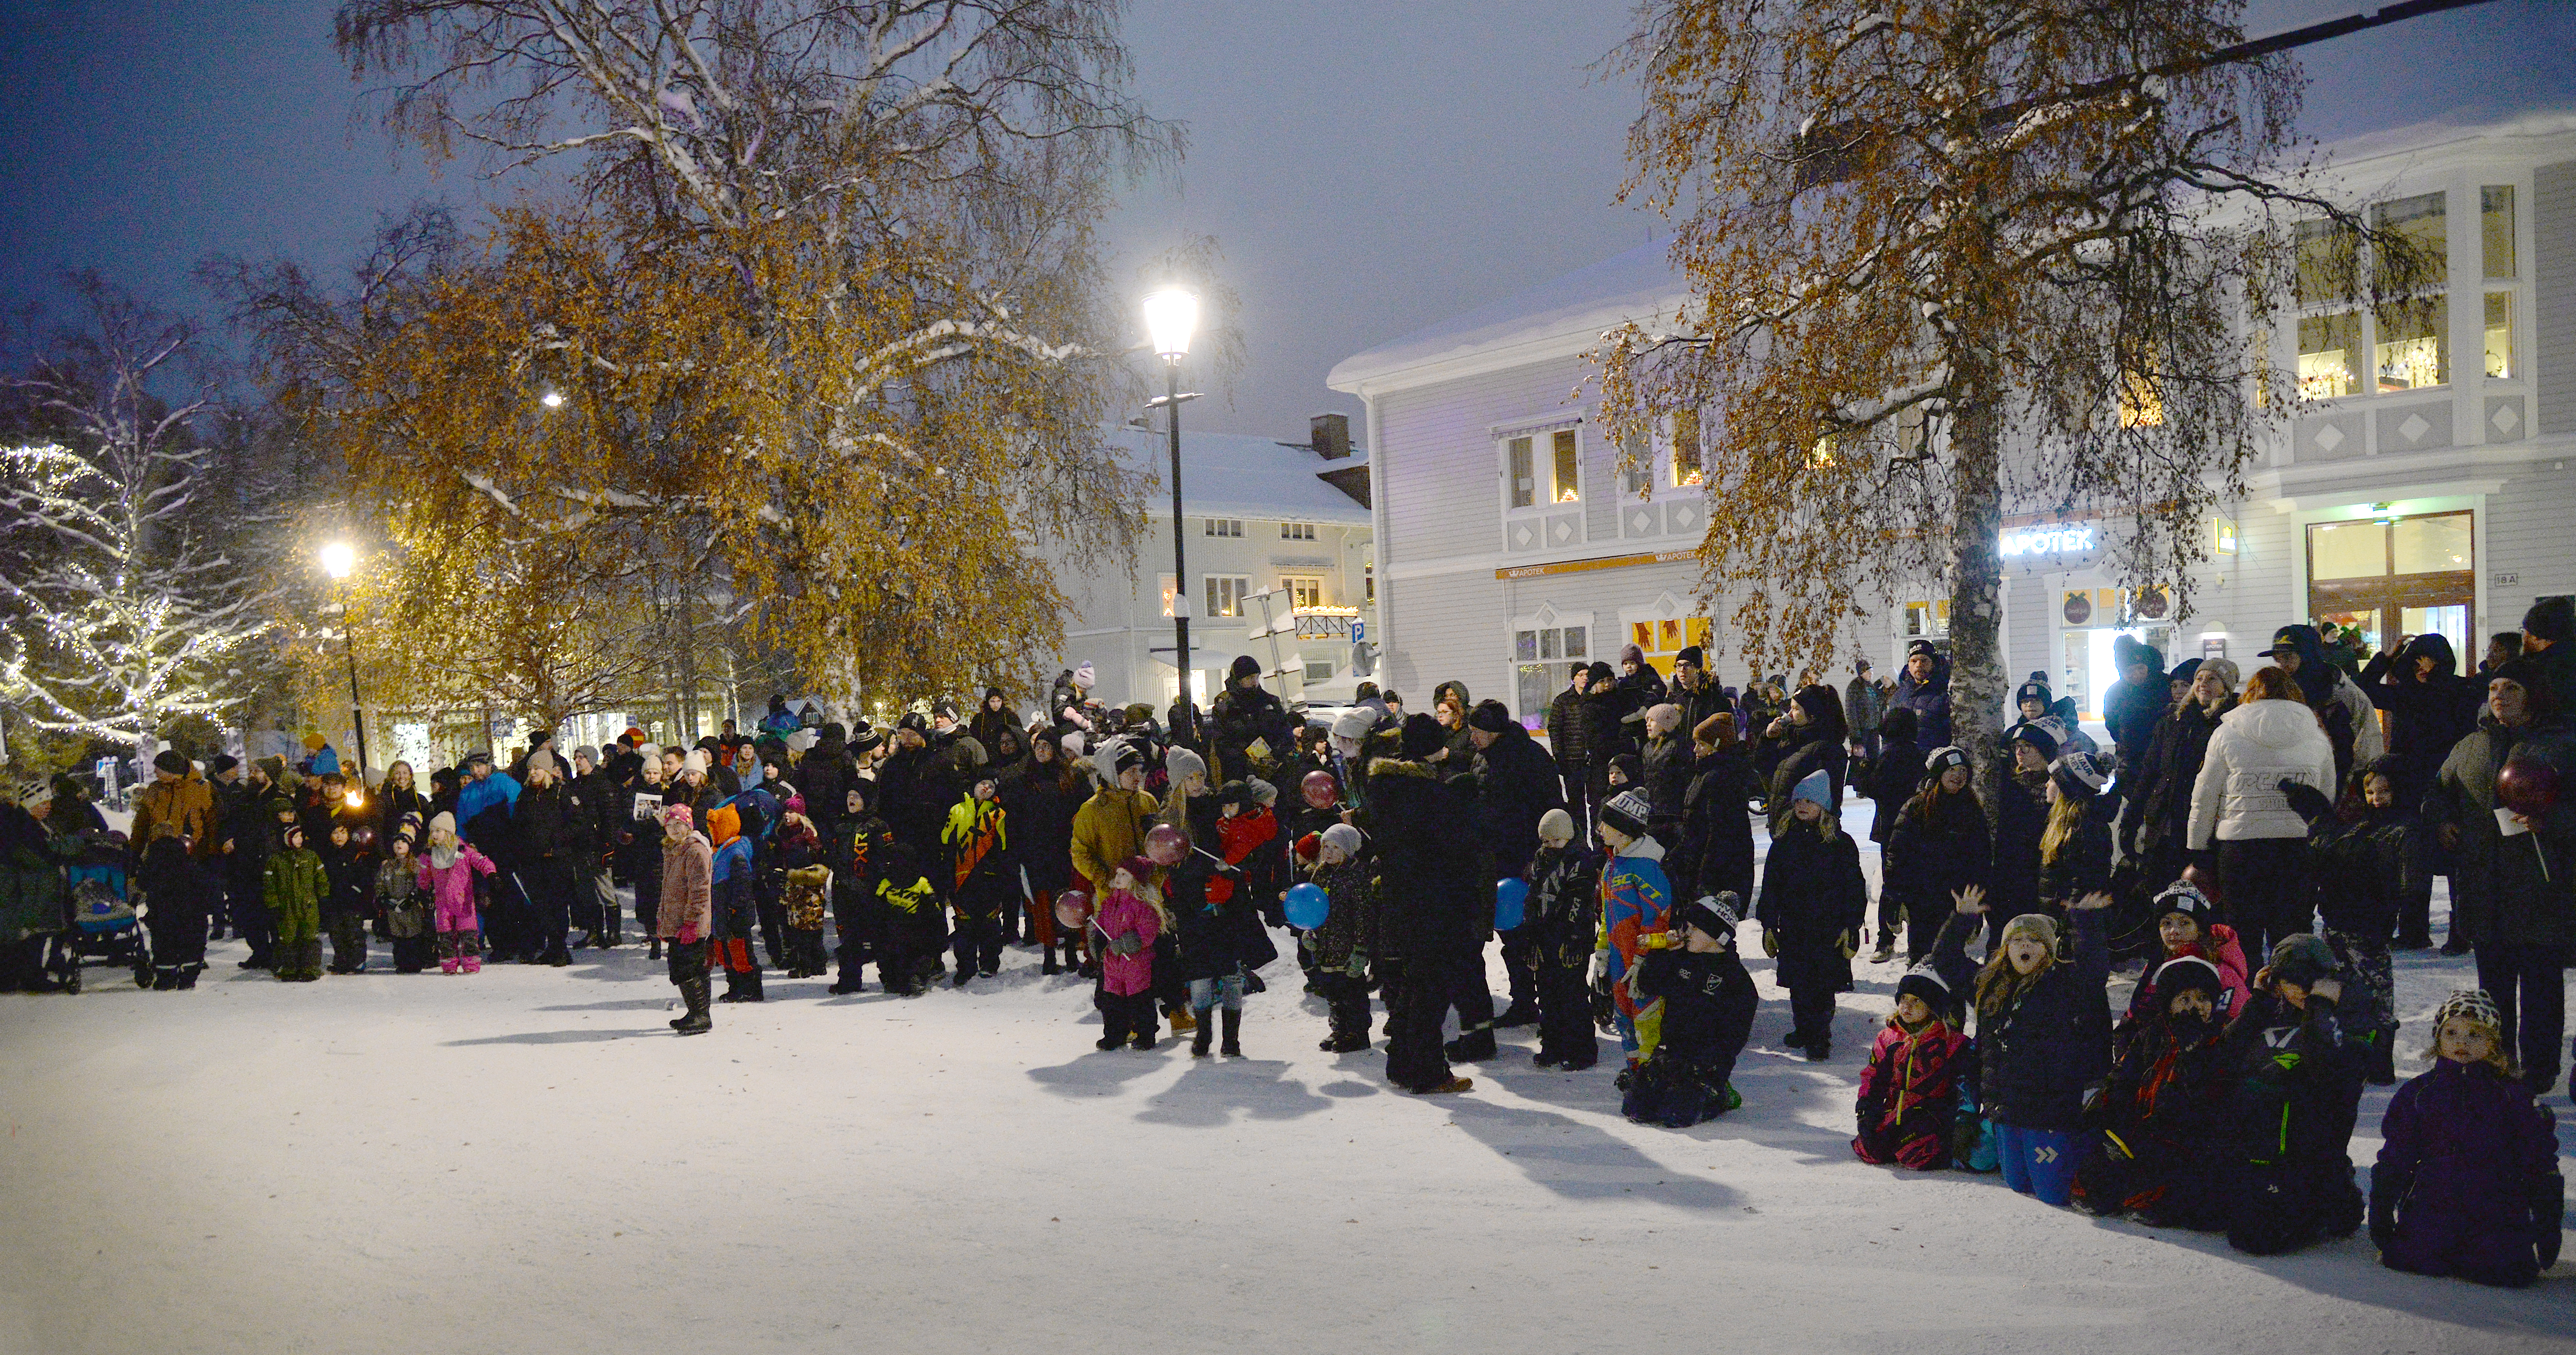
point(1170, 315)
point(339, 559)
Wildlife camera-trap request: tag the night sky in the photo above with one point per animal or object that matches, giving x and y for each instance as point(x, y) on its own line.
point(1369, 168)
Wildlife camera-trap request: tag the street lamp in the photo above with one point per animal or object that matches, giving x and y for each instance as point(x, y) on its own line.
point(1170, 314)
point(551, 399)
point(340, 560)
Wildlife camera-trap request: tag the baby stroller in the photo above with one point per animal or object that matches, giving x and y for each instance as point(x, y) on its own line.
point(104, 928)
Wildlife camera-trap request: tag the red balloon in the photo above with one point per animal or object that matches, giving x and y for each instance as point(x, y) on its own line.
point(1318, 789)
point(2527, 788)
point(1166, 845)
point(1072, 909)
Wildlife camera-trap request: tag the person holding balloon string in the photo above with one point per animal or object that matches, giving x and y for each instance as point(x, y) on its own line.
point(1129, 921)
point(1336, 916)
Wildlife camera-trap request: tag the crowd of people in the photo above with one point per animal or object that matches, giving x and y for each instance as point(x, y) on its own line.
point(1615, 866)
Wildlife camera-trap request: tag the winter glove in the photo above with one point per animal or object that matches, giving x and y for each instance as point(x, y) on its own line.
point(1771, 942)
point(1965, 1131)
point(2306, 801)
point(688, 934)
point(1125, 943)
point(1599, 977)
point(2387, 1187)
point(1229, 870)
point(1848, 943)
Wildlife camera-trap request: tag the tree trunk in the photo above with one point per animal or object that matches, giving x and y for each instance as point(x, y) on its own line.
point(1977, 682)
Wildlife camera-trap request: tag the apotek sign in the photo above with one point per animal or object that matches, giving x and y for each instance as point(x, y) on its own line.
point(2054, 539)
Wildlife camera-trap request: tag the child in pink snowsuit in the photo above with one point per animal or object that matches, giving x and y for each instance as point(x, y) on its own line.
point(447, 871)
point(1128, 923)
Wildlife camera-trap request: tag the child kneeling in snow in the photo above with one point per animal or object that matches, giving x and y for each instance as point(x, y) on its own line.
point(2158, 1119)
point(1909, 1093)
point(447, 871)
point(2468, 1181)
point(2297, 1087)
point(2043, 1033)
point(1129, 920)
point(1706, 1003)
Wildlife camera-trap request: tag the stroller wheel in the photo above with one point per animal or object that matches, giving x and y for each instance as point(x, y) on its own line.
point(142, 974)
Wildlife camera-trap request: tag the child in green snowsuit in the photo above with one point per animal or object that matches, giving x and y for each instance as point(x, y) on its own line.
point(294, 885)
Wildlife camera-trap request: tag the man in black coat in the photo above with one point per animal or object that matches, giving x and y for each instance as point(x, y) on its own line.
point(1515, 787)
point(245, 836)
point(1569, 741)
point(594, 896)
point(1247, 714)
point(823, 777)
point(1437, 901)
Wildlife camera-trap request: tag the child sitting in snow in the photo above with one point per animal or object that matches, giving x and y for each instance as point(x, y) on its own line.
point(2296, 1089)
point(1704, 1003)
point(1909, 1093)
point(1129, 919)
point(2468, 1181)
point(1559, 919)
point(2157, 1120)
point(447, 871)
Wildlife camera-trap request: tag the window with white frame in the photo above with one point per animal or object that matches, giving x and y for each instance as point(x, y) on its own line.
point(1543, 470)
point(2348, 348)
point(1225, 594)
point(1296, 531)
point(1225, 526)
point(1541, 655)
point(1319, 670)
point(1304, 590)
point(2496, 250)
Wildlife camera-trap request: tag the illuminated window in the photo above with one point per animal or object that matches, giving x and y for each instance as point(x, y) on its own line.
point(2329, 355)
point(1296, 531)
point(1225, 594)
point(1569, 467)
point(2499, 334)
point(1303, 590)
point(1168, 590)
point(1686, 457)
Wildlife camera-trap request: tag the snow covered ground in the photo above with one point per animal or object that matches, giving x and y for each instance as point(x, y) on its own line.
point(527, 1160)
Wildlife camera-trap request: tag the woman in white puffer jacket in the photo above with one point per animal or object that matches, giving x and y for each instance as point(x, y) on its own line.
point(2237, 805)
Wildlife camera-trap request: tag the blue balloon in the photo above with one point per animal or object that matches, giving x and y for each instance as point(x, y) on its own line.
point(1307, 906)
point(1511, 900)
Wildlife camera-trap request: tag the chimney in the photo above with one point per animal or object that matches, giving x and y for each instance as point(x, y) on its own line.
point(1330, 436)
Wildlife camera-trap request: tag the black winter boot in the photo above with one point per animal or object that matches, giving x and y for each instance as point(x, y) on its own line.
point(657, 949)
point(693, 991)
point(753, 995)
point(1232, 1048)
point(1199, 1037)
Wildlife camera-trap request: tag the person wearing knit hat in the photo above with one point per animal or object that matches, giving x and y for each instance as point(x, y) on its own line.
point(1703, 1003)
point(2467, 1182)
point(2153, 1119)
point(1636, 896)
point(2187, 927)
point(448, 868)
point(2298, 1083)
point(1808, 738)
point(1560, 922)
point(1909, 1091)
point(2043, 1029)
point(1813, 904)
point(685, 917)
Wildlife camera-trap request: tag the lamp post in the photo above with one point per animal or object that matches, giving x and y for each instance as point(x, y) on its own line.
point(339, 560)
point(1170, 314)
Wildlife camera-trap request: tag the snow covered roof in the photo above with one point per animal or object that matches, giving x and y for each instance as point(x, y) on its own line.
point(1235, 475)
point(1580, 305)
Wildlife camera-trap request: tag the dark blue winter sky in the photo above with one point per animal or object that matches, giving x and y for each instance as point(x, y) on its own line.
point(1369, 168)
